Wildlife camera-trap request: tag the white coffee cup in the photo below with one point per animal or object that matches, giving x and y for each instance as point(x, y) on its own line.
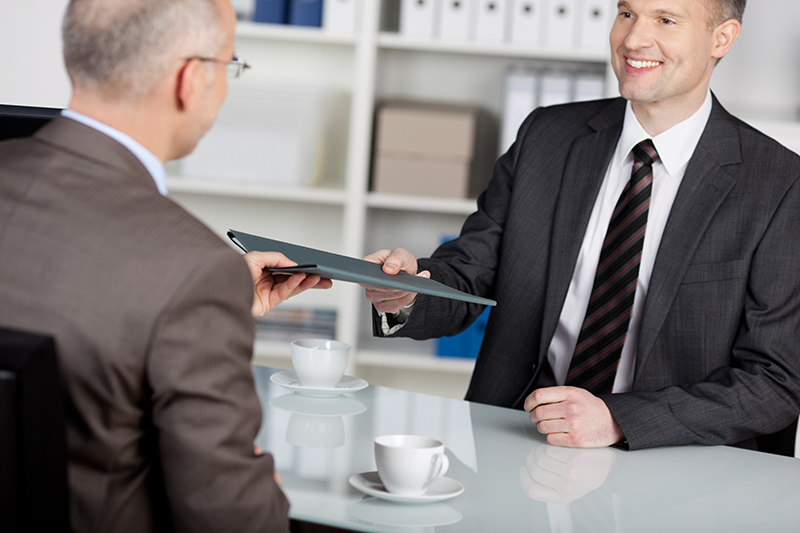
point(408, 464)
point(319, 363)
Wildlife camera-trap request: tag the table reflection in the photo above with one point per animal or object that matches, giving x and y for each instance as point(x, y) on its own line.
point(403, 518)
point(562, 475)
point(514, 480)
point(316, 422)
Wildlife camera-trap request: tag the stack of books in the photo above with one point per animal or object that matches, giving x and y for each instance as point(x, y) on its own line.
point(286, 325)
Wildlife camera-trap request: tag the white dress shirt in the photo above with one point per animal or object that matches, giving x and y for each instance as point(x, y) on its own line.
point(153, 164)
point(675, 147)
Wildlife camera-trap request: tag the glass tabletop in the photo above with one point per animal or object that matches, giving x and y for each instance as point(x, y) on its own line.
point(514, 481)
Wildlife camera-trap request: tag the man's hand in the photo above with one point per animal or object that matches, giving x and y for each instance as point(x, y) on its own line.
point(391, 300)
point(573, 417)
point(275, 474)
point(271, 289)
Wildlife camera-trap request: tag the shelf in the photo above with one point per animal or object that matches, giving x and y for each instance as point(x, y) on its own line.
point(282, 32)
point(305, 195)
point(422, 203)
point(272, 349)
point(382, 359)
point(401, 361)
point(396, 41)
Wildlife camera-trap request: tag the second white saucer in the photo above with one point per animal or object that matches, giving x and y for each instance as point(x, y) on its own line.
point(289, 380)
point(443, 488)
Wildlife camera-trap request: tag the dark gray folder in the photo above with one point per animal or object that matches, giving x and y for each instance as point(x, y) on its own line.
point(343, 268)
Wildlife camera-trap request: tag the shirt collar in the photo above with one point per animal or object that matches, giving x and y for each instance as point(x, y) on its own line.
point(676, 145)
point(153, 164)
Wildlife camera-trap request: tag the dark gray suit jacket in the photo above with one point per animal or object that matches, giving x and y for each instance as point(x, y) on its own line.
point(718, 360)
point(151, 316)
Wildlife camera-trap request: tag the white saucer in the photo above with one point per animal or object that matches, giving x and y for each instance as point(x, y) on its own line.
point(289, 380)
point(443, 488)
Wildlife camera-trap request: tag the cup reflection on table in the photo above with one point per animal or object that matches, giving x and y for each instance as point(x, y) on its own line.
point(309, 431)
point(317, 422)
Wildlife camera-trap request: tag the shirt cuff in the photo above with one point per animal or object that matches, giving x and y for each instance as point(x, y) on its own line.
point(392, 322)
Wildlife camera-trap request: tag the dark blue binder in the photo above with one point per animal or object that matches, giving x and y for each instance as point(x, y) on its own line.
point(272, 11)
point(305, 13)
point(466, 344)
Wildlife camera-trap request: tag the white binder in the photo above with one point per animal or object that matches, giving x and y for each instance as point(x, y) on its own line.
point(418, 17)
point(560, 21)
point(555, 88)
point(457, 19)
point(520, 98)
point(589, 86)
point(527, 17)
point(339, 16)
point(595, 19)
point(492, 20)
point(244, 9)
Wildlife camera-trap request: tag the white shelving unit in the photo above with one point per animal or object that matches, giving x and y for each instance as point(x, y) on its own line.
point(370, 66)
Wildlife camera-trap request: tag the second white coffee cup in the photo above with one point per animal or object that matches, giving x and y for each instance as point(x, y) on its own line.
point(319, 362)
point(408, 464)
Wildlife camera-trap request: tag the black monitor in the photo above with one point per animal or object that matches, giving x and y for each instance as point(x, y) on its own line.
point(33, 461)
point(21, 121)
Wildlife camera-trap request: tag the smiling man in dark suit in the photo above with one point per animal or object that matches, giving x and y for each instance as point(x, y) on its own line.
point(150, 311)
point(643, 252)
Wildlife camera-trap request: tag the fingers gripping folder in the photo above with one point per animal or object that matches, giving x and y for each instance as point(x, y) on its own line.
point(343, 268)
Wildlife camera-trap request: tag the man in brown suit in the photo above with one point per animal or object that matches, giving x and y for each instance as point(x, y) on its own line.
point(149, 309)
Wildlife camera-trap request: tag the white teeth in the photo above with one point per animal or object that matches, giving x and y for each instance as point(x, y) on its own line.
point(642, 64)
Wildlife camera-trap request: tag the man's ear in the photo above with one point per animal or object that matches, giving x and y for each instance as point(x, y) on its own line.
point(724, 36)
point(189, 81)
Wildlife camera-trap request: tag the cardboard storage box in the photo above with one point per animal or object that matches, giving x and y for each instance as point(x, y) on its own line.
point(432, 150)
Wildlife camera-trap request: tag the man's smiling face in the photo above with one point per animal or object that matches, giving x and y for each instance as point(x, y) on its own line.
point(663, 51)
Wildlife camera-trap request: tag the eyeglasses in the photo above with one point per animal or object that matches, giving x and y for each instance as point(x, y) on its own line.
point(233, 68)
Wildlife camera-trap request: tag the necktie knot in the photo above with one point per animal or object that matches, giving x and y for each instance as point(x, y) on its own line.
point(645, 152)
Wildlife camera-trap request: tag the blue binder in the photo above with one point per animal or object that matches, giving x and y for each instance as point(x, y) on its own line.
point(466, 344)
point(305, 13)
point(271, 11)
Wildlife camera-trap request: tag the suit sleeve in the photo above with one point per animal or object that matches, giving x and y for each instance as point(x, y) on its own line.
point(759, 392)
point(205, 408)
point(468, 263)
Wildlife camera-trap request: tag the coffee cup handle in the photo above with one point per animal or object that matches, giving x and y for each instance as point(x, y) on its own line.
point(441, 464)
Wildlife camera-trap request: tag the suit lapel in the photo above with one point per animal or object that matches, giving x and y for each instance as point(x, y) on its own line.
point(585, 168)
point(703, 189)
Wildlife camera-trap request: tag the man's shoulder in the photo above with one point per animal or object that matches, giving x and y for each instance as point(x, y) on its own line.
point(726, 132)
point(577, 117)
point(758, 143)
point(587, 109)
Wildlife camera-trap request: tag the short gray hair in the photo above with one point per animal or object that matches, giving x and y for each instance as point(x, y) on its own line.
point(123, 48)
point(722, 10)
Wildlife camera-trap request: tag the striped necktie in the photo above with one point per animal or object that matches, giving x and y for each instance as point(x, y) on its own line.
point(605, 326)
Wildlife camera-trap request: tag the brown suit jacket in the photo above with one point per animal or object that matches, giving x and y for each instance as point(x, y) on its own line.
point(150, 312)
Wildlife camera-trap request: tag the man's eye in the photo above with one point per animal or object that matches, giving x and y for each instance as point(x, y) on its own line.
point(667, 21)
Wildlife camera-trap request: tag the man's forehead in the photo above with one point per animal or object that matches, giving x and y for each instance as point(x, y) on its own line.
point(683, 9)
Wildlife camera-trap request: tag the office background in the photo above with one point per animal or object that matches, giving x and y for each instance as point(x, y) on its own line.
point(342, 78)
